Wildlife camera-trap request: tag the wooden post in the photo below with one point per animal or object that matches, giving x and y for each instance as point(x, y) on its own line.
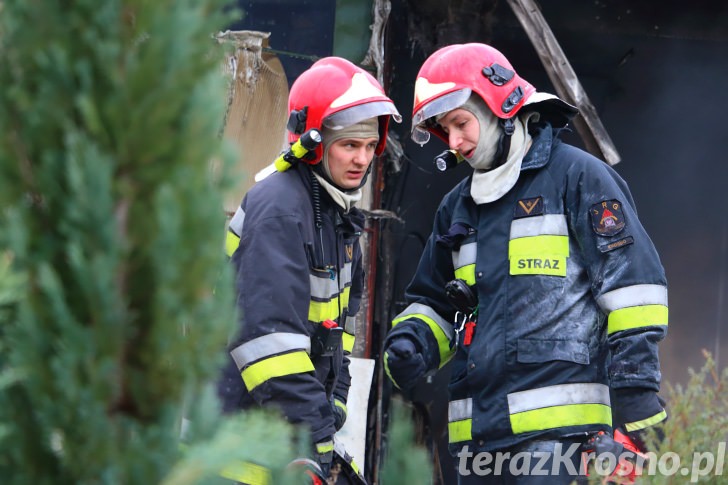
point(565, 81)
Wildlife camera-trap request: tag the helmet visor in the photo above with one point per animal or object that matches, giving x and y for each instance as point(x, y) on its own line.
point(355, 114)
point(437, 106)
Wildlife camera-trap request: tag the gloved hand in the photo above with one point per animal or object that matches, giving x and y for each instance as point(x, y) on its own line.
point(338, 408)
point(637, 409)
point(403, 363)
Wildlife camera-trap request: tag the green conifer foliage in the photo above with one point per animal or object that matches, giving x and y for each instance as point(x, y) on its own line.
point(115, 299)
point(113, 312)
point(405, 461)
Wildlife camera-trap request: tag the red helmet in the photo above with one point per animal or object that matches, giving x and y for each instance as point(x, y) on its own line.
point(333, 92)
point(451, 74)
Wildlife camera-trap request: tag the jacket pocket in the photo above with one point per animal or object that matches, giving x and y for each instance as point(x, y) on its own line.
point(535, 351)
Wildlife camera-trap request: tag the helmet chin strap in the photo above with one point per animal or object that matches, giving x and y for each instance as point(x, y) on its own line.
point(504, 143)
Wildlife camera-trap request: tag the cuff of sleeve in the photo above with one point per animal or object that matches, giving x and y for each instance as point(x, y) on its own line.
point(636, 409)
point(423, 343)
point(646, 423)
point(340, 404)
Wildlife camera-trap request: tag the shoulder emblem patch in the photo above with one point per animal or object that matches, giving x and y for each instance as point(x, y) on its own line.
point(529, 207)
point(349, 249)
point(607, 217)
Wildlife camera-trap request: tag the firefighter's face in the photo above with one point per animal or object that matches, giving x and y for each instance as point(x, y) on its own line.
point(462, 129)
point(349, 159)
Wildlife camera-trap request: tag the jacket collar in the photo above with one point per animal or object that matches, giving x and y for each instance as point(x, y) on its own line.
point(540, 152)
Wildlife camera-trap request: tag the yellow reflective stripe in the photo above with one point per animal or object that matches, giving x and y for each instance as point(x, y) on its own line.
point(386, 370)
point(269, 345)
point(325, 447)
point(443, 341)
point(460, 431)
point(545, 254)
point(646, 423)
point(318, 311)
point(232, 241)
point(341, 405)
point(539, 246)
point(636, 317)
point(561, 416)
point(347, 342)
point(463, 260)
point(466, 273)
point(248, 473)
point(281, 365)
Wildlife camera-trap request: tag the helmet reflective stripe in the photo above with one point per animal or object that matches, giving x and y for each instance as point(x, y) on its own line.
point(424, 89)
point(361, 88)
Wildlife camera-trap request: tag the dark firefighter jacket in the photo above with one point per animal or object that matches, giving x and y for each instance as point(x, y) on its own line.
point(572, 301)
point(290, 277)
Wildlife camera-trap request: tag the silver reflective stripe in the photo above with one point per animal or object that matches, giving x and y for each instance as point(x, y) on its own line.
point(236, 223)
point(345, 275)
point(324, 288)
point(428, 312)
point(267, 345)
point(546, 225)
point(350, 325)
point(636, 295)
point(460, 409)
point(465, 255)
point(559, 395)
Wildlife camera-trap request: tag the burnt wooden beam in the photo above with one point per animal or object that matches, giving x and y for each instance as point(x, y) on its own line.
point(567, 85)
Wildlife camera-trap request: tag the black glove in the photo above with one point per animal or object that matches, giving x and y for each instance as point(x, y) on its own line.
point(338, 408)
point(637, 409)
point(403, 363)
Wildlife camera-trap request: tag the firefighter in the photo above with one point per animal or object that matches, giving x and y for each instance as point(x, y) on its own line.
point(538, 283)
point(294, 244)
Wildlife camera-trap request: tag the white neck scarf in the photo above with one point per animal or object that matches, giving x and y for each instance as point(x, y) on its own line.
point(491, 185)
point(345, 200)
